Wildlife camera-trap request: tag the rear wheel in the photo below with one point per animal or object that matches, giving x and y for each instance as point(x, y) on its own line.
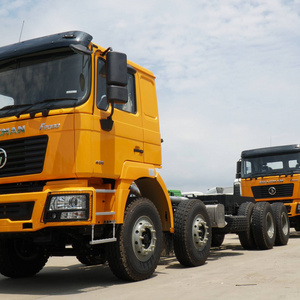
point(217, 239)
point(246, 237)
point(282, 224)
point(263, 226)
point(192, 234)
point(20, 258)
point(137, 251)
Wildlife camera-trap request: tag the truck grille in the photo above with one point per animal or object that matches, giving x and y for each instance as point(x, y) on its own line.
point(24, 156)
point(267, 191)
point(22, 187)
point(16, 211)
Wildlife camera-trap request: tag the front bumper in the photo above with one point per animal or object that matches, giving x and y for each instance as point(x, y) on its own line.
point(28, 212)
point(293, 208)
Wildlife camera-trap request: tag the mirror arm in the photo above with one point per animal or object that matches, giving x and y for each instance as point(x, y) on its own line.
point(107, 124)
point(112, 110)
point(105, 51)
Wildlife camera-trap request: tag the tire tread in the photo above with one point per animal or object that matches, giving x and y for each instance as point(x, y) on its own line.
point(183, 250)
point(118, 257)
point(261, 238)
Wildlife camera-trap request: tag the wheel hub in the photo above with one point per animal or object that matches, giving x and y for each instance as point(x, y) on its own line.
point(143, 238)
point(200, 232)
point(24, 249)
point(270, 225)
point(285, 224)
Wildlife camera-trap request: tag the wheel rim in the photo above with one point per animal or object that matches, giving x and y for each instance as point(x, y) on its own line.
point(285, 224)
point(200, 232)
point(270, 225)
point(25, 250)
point(143, 238)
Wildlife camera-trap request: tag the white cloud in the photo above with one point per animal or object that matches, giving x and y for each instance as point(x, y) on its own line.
point(227, 71)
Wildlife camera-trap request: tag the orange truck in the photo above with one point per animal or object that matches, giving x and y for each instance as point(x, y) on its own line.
point(272, 175)
point(80, 146)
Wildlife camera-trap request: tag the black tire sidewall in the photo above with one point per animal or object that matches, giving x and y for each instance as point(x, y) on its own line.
point(259, 226)
point(217, 239)
point(146, 209)
point(14, 265)
point(184, 247)
point(246, 237)
point(281, 237)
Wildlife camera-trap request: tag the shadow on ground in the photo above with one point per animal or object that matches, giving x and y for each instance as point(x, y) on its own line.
point(79, 279)
point(74, 279)
point(226, 250)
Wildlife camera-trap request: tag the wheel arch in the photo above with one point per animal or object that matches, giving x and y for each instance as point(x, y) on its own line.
point(150, 185)
point(152, 189)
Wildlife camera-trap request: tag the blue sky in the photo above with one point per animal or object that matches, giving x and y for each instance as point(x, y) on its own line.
point(227, 72)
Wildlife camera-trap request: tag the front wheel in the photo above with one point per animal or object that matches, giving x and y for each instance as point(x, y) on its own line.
point(192, 233)
point(137, 251)
point(20, 258)
point(282, 224)
point(263, 226)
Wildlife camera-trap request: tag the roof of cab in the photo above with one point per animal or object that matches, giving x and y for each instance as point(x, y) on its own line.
point(59, 40)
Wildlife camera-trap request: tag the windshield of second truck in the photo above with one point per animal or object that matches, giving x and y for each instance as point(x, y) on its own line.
point(52, 80)
point(281, 164)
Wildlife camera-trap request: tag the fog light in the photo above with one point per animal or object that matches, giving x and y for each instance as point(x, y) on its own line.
point(73, 215)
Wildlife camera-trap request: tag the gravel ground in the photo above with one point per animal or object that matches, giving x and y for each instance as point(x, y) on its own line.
point(230, 273)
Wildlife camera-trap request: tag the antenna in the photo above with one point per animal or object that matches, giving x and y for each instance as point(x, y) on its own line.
point(21, 31)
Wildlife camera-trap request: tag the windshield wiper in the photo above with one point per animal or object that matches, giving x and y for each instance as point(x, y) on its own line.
point(44, 111)
point(12, 106)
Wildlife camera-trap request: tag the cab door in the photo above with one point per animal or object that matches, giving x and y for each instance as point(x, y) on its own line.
point(124, 142)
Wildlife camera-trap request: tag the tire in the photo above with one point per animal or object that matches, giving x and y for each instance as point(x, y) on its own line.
point(95, 256)
point(217, 239)
point(236, 224)
point(282, 224)
point(192, 234)
point(246, 237)
point(91, 260)
point(137, 251)
point(20, 258)
point(263, 226)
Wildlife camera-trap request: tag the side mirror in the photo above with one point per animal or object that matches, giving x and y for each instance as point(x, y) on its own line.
point(238, 169)
point(116, 77)
point(116, 84)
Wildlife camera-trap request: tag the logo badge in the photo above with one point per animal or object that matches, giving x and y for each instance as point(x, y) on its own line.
point(272, 190)
point(3, 158)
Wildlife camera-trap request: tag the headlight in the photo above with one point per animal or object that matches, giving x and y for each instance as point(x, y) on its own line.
point(67, 207)
point(66, 202)
point(298, 209)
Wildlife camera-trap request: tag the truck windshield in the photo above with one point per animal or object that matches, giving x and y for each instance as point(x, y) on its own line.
point(31, 83)
point(280, 164)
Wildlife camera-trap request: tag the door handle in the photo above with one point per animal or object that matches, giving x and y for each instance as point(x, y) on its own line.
point(138, 150)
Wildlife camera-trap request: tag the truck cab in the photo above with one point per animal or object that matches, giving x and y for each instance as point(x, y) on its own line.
point(272, 174)
point(80, 147)
point(79, 135)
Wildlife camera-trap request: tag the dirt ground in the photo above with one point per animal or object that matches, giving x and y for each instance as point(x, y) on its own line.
point(230, 273)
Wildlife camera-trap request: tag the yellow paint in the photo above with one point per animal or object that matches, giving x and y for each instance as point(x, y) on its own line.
point(247, 184)
point(81, 157)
